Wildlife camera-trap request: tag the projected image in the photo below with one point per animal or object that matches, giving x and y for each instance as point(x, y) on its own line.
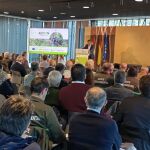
point(48, 41)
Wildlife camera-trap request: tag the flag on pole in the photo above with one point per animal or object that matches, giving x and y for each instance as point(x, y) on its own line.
point(106, 48)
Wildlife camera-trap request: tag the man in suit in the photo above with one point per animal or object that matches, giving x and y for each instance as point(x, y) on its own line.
point(92, 130)
point(118, 92)
point(90, 47)
point(72, 96)
point(133, 117)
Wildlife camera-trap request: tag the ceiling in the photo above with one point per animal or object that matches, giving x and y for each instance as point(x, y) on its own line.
point(53, 8)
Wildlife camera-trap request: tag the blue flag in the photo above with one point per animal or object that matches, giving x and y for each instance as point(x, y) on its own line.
point(106, 48)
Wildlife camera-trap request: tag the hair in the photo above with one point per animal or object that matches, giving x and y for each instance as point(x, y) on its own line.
point(106, 67)
point(144, 85)
point(78, 72)
point(60, 67)
point(6, 55)
point(19, 58)
point(95, 98)
point(24, 53)
point(89, 77)
point(44, 57)
point(47, 71)
point(69, 64)
point(34, 66)
point(54, 78)
point(90, 64)
point(132, 72)
point(38, 85)
point(120, 77)
point(15, 115)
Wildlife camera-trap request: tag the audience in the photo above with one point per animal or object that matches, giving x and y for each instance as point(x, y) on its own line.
point(25, 62)
point(144, 71)
point(90, 64)
point(123, 67)
point(133, 117)
point(92, 130)
point(89, 77)
point(15, 115)
point(6, 62)
point(118, 92)
point(44, 63)
point(44, 123)
point(72, 96)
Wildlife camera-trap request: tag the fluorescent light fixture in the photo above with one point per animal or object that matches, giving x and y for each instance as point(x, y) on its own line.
point(63, 13)
point(138, 0)
point(72, 16)
point(6, 12)
point(40, 10)
point(86, 7)
point(115, 14)
point(55, 17)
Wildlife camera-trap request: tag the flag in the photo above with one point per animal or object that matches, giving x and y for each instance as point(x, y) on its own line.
point(106, 48)
point(99, 54)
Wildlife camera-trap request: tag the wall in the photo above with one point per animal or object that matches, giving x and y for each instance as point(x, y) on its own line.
point(132, 45)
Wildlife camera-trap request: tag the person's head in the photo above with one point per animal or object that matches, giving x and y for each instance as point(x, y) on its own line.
point(69, 64)
point(78, 72)
point(15, 115)
point(95, 98)
point(19, 59)
point(111, 68)
point(89, 77)
point(39, 86)
point(120, 77)
point(6, 55)
point(89, 42)
point(123, 67)
point(47, 71)
point(144, 70)
point(52, 63)
point(60, 67)
point(144, 85)
point(90, 64)
point(132, 72)
point(34, 66)
point(54, 78)
point(24, 55)
point(44, 57)
point(106, 68)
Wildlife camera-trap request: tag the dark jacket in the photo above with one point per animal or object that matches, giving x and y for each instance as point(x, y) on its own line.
point(92, 131)
point(19, 67)
point(118, 92)
point(6, 88)
point(91, 51)
point(133, 121)
point(8, 142)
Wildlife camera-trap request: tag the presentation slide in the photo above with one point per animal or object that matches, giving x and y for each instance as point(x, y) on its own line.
point(48, 41)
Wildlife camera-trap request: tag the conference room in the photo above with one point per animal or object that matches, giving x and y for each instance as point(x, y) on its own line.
point(74, 75)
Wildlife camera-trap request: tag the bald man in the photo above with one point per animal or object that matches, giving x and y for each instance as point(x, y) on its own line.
point(123, 67)
point(92, 130)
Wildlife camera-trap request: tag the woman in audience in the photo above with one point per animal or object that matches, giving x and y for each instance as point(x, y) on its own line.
point(25, 61)
point(15, 115)
point(44, 63)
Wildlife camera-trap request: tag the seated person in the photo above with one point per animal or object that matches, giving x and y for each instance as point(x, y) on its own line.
point(43, 118)
point(104, 78)
point(92, 130)
point(132, 117)
point(123, 67)
point(143, 71)
point(60, 67)
point(89, 77)
point(118, 92)
point(6, 87)
point(15, 115)
point(132, 82)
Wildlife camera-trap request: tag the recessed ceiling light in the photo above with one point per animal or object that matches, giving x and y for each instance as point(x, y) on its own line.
point(40, 10)
point(86, 7)
point(55, 17)
point(22, 12)
point(115, 14)
point(72, 16)
point(6, 12)
point(138, 0)
point(63, 13)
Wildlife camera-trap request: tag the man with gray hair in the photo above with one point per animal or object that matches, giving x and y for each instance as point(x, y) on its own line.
point(92, 130)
